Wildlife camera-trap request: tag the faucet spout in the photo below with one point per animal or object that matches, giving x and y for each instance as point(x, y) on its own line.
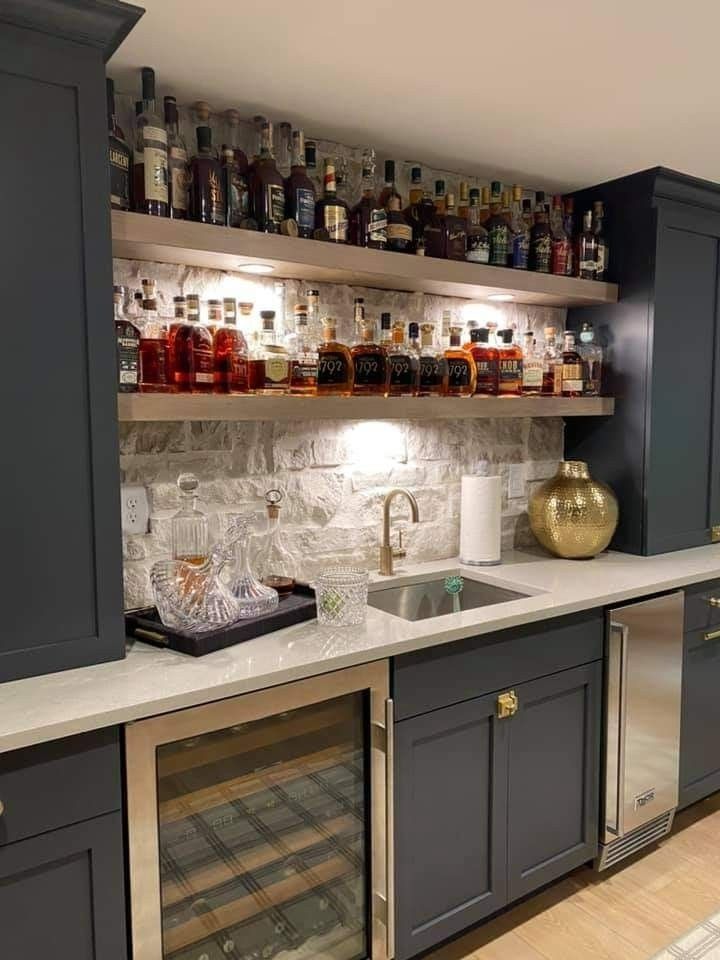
point(387, 552)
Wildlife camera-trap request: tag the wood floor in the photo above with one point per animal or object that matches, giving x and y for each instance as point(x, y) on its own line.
point(627, 913)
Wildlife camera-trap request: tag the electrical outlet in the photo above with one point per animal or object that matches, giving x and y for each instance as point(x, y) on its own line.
point(135, 510)
point(516, 480)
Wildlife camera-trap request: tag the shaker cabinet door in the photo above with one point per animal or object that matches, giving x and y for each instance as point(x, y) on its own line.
point(62, 894)
point(700, 728)
point(450, 822)
point(553, 777)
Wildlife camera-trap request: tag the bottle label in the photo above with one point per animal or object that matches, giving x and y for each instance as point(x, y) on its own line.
point(203, 364)
point(456, 246)
point(336, 223)
point(238, 198)
point(560, 252)
point(275, 203)
point(510, 374)
point(155, 164)
point(119, 178)
point(601, 261)
point(276, 370)
point(304, 371)
point(239, 370)
point(499, 237)
point(541, 253)
point(431, 372)
point(332, 369)
point(588, 268)
point(458, 373)
point(520, 251)
point(177, 163)
point(369, 369)
point(487, 376)
point(478, 250)
point(399, 231)
point(377, 229)
point(305, 208)
point(402, 371)
point(572, 378)
point(532, 375)
point(128, 355)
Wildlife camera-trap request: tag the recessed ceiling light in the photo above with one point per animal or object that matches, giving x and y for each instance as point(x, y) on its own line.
point(255, 268)
point(500, 296)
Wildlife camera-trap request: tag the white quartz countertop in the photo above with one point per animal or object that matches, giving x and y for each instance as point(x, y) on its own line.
point(152, 681)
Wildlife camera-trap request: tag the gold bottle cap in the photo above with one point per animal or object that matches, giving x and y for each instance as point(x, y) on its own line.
point(329, 326)
point(517, 192)
point(464, 191)
point(485, 193)
point(246, 308)
point(202, 110)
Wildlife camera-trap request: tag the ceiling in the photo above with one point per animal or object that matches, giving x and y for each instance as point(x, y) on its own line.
point(555, 95)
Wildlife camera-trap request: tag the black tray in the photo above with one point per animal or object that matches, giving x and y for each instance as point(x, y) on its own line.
point(146, 625)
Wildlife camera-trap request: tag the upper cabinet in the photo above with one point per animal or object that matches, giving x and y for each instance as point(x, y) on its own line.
point(62, 582)
point(661, 450)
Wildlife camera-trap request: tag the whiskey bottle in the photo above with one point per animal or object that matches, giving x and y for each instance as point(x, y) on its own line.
point(403, 366)
point(462, 372)
point(519, 231)
point(572, 368)
point(389, 189)
point(416, 191)
point(215, 316)
point(484, 205)
point(478, 242)
point(486, 362)
point(189, 526)
point(399, 232)
point(231, 353)
point(273, 377)
point(127, 336)
point(178, 174)
point(433, 365)
point(358, 319)
point(552, 365)
point(592, 357)
point(118, 155)
point(587, 249)
point(303, 356)
point(283, 148)
point(232, 140)
point(369, 364)
point(311, 165)
point(154, 361)
point(446, 235)
point(335, 363)
point(464, 199)
point(560, 242)
point(267, 189)
point(498, 229)
point(150, 162)
point(192, 359)
point(299, 190)
point(601, 253)
point(540, 240)
point(207, 196)
point(510, 365)
point(506, 213)
point(368, 220)
point(332, 217)
point(420, 210)
point(532, 369)
point(569, 226)
point(235, 189)
point(439, 198)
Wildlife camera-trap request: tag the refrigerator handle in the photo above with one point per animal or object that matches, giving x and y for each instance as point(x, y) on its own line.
point(617, 714)
point(390, 820)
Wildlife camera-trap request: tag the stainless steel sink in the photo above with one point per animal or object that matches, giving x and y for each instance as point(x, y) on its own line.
point(429, 598)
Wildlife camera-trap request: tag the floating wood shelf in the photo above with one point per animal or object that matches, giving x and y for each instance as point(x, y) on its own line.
point(138, 237)
point(158, 406)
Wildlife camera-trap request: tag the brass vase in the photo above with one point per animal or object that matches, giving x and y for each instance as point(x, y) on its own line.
point(572, 515)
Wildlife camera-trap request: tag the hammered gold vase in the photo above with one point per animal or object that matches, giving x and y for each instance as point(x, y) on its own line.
point(572, 515)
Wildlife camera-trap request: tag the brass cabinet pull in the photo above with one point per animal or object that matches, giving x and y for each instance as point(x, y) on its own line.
point(713, 635)
point(2, 808)
point(714, 601)
point(507, 705)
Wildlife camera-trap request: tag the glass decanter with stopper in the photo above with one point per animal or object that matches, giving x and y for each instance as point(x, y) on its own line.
point(254, 597)
point(190, 540)
point(275, 564)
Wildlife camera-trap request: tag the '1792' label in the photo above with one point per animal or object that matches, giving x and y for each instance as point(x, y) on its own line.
point(332, 369)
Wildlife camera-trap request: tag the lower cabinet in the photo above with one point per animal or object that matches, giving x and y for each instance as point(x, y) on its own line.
point(489, 808)
point(700, 729)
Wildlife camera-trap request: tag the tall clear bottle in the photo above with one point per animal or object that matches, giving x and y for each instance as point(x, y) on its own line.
point(150, 161)
point(189, 526)
point(233, 140)
point(275, 564)
point(587, 249)
point(303, 356)
point(592, 357)
point(532, 370)
point(552, 365)
point(178, 171)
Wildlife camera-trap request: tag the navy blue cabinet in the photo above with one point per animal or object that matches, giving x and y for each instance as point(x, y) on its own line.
point(660, 452)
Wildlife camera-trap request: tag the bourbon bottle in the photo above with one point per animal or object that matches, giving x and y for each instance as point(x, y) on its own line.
point(335, 364)
point(510, 365)
point(370, 364)
point(403, 367)
point(433, 365)
point(118, 155)
point(368, 220)
point(230, 353)
point(127, 336)
point(573, 369)
point(207, 195)
point(272, 363)
point(300, 190)
point(267, 189)
point(540, 254)
point(192, 358)
point(303, 356)
point(332, 217)
point(150, 162)
point(235, 188)
point(178, 172)
point(462, 372)
point(486, 362)
point(154, 359)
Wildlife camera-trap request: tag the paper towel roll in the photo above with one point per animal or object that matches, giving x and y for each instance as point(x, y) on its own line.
point(480, 520)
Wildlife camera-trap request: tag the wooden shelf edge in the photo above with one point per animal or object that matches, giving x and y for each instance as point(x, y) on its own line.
point(155, 407)
point(139, 237)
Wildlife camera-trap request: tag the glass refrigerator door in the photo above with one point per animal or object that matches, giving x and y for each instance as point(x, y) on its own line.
point(264, 826)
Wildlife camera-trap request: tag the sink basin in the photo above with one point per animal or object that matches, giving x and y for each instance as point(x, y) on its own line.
point(421, 601)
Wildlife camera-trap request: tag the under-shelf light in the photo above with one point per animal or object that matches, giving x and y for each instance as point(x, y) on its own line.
point(256, 268)
point(501, 296)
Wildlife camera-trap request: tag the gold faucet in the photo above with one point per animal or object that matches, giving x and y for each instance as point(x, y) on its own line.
point(387, 552)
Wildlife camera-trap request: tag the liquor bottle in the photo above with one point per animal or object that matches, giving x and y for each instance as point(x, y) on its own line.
point(299, 190)
point(312, 167)
point(230, 353)
point(486, 363)
point(419, 211)
point(271, 365)
point(506, 212)
point(335, 364)
point(150, 162)
point(179, 319)
point(192, 356)
point(484, 205)
point(433, 365)
point(445, 325)
point(510, 365)
point(403, 366)
point(332, 217)
point(119, 155)
point(527, 214)
point(569, 226)
point(478, 241)
point(560, 245)
point(601, 254)
point(369, 364)
point(532, 370)
point(154, 365)
point(267, 190)
point(385, 331)
point(587, 249)
point(215, 316)
point(464, 199)
point(368, 220)
point(498, 229)
point(592, 357)
point(358, 318)
point(519, 230)
point(439, 198)
point(572, 368)
point(303, 356)
point(539, 258)
point(189, 526)
point(462, 372)
point(283, 148)
point(235, 189)
point(258, 121)
point(399, 231)
point(232, 140)
point(312, 298)
point(389, 190)
point(415, 193)
point(552, 365)
point(178, 174)
point(446, 234)
point(207, 196)
point(127, 336)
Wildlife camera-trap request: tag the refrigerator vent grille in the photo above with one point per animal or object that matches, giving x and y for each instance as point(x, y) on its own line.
point(616, 850)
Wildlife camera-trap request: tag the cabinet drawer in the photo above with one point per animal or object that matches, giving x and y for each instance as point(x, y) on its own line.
point(699, 612)
point(428, 679)
point(59, 783)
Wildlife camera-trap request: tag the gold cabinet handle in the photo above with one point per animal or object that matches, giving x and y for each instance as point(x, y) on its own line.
point(507, 705)
point(712, 635)
point(2, 808)
point(714, 601)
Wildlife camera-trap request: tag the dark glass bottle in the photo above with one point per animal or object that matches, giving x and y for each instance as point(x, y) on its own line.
point(446, 235)
point(587, 249)
point(232, 119)
point(498, 228)
point(299, 190)
point(127, 336)
point(235, 190)
point(150, 162)
point(267, 193)
point(332, 217)
point(420, 209)
point(231, 353)
point(207, 196)
point(540, 254)
point(433, 365)
point(560, 242)
point(510, 365)
point(178, 172)
point(368, 220)
point(119, 155)
point(389, 189)
point(601, 252)
point(399, 232)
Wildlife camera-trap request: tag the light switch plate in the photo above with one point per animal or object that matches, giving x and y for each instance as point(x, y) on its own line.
point(516, 480)
point(135, 509)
